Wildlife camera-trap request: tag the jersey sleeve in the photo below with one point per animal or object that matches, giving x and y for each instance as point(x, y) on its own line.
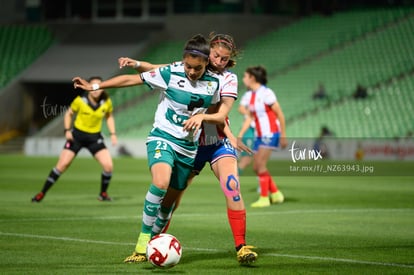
point(158, 78)
point(76, 103)
point(230, 85)
point(270, 97)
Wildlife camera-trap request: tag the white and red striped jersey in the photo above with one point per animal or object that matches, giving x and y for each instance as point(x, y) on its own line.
point(210, 133)
point(259, 104)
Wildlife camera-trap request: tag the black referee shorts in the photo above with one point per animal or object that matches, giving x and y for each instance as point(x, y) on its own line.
point(93, 142)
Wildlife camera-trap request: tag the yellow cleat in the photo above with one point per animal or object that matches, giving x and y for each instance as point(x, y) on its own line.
point(261, 202)
point(143, 239)
point(136, 258)
point(277, 197)
point(246, 256)
point(139, 254)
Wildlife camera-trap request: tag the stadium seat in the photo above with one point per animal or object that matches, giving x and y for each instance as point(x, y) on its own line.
point(20, 45)
point(370, 48)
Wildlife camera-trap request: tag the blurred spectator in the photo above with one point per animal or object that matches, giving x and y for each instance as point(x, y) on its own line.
point(320, 93)
point(360, 92)
point(325, 132)
point(319, 142)
point(359, 154)
point(123, 151)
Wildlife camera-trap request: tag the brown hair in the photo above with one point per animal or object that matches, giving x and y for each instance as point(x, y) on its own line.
point(259, 73)
point(197, 46)
point(226, 41)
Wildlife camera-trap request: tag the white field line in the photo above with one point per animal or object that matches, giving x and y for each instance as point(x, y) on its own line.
point(249, 213)
point(60, 238)
point(339, 260)
point(329, 259)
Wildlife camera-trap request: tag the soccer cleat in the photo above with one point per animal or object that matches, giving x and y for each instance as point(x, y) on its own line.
point(261, 202)
point(245, 255)
point(39, 197)
point(143, 239)
point(104, 197)
point(277, 197)
point(139, 254)
point(136, 258)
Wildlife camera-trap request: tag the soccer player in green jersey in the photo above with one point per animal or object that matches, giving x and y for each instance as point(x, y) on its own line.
point(187, 89)
point(217, 146)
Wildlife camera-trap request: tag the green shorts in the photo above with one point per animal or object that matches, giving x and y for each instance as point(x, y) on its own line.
point(248, 139)
point(160, 151)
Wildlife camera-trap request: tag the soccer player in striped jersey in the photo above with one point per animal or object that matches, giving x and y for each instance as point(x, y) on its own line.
point(187, 89)
point(218, 146)
point(90, 109)
point(270, 132)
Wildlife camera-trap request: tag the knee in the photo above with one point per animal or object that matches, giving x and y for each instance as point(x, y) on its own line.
point(108, 167)
point(231, 187)
point(161, 181)
point(62, 167)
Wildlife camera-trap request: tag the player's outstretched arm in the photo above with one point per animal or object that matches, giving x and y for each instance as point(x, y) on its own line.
point(139, 66)
point(115, 82)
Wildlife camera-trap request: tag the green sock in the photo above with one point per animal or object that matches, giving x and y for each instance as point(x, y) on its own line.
point(164, 216)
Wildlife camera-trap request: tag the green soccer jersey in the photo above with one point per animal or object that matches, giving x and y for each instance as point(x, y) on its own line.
point(180, 98)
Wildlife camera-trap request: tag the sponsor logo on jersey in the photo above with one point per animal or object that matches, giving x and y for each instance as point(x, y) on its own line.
point(181, 83)
point(211, 88)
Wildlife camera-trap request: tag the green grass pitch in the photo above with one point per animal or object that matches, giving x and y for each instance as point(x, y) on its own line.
point(329, 224)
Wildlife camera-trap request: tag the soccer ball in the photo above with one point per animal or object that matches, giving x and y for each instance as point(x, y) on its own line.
point(164, 250)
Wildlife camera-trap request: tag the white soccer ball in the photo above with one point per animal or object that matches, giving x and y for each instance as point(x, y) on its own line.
point(164, 250)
